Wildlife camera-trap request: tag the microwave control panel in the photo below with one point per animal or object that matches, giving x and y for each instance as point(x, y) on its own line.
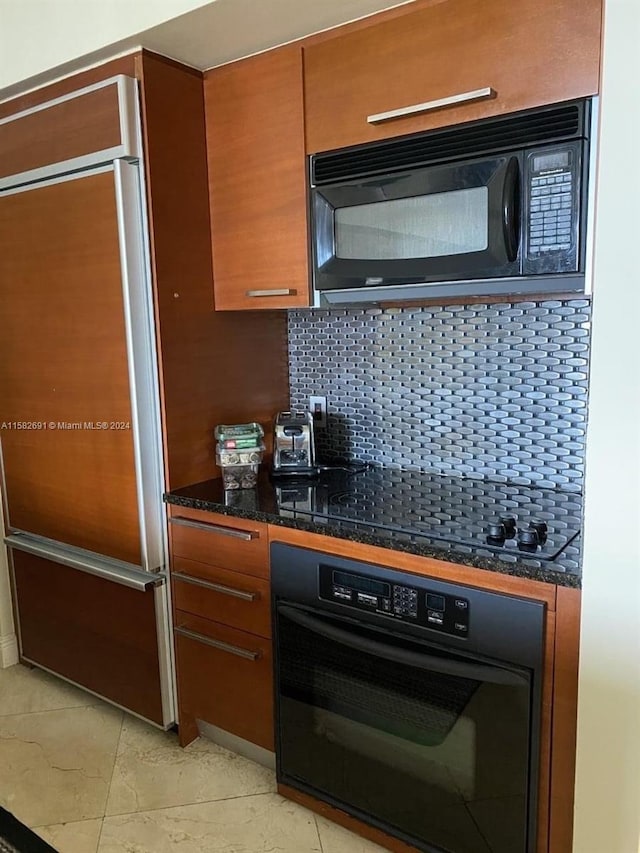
point(552, 193)
point(447, 614)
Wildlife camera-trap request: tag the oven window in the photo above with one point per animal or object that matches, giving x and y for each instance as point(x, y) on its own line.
point(425, 226)
point(430, 745)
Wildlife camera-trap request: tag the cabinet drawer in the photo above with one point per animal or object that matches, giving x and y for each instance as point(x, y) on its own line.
point(225, 678)
point(220, 540)
point(241, 601)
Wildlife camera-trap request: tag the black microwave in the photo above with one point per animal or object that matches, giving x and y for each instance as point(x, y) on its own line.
point(495, 206)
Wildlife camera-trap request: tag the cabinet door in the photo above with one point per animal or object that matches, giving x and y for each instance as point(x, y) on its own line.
point(97, 633)
point(257, 182)
point(64, 367)
point(529, 54)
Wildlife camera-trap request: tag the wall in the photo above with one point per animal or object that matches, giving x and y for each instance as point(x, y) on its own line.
point(607, 812)
point(68, 35)
point(486, 390)
point(40, 34)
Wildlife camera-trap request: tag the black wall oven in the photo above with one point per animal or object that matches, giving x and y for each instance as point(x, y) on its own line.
point(410, 703)
point(493, 206)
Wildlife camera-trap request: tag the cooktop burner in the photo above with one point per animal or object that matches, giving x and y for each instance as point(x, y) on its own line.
point(504, 518)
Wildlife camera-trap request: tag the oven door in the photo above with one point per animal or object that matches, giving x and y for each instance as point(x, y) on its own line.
point(439, 223)
point(429, 745)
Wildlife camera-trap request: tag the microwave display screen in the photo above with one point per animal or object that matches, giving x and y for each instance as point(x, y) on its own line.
point(425, 226)
point(558, 160)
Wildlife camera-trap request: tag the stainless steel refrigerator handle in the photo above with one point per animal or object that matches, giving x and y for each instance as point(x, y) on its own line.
point(113, 571)
point(247, 535)
point(461, 98)
point(218, 644)
point(278, 291)
point(216, 587)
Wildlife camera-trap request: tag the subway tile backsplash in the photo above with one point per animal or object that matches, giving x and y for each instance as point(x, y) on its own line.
point(487, 390)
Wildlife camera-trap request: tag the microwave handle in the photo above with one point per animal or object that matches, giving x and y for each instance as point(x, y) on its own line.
point(511, 208)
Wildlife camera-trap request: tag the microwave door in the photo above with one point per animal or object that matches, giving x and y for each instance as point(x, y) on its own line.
point(448, 222)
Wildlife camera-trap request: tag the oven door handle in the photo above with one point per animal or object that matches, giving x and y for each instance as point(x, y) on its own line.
point(419, 660)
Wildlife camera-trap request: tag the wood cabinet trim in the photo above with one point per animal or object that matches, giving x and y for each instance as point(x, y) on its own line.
point(127, 65)
point(84, 128)
point(564, 720)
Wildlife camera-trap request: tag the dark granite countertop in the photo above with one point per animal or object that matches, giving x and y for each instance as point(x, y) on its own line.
point(411, 511)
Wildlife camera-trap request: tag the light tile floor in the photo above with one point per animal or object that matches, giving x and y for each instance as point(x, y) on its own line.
point(89, 778)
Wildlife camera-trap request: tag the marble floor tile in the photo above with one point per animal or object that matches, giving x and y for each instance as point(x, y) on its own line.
point(257, 824)
point(56, 766)
point(25, 691)
point(152, 771)
point(77, 837)
point(337, 839)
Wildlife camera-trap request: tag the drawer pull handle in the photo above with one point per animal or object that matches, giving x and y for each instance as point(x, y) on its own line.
point(277, 291)
point(246, 535)
point(218, 644)
point(216, 587)
point(463, 97)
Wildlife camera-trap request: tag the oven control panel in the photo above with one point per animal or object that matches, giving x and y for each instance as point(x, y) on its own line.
point(448, 614)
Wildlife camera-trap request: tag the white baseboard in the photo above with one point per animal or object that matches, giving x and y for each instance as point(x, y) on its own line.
point(8, 650)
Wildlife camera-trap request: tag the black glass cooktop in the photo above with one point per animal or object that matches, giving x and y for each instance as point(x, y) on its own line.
point(503, 518)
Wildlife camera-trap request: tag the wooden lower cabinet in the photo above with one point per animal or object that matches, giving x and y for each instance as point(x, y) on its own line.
point(224, 678)
point(95, 632)
point(224, 655)
point(222, 624)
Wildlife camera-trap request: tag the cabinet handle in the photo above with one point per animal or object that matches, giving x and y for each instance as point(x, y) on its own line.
point(476, 95)
point(218, 644)
point(246, 535)
point(278, 291)
point(216, 587)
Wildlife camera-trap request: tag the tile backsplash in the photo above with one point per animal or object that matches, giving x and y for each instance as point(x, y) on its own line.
point(488, 390)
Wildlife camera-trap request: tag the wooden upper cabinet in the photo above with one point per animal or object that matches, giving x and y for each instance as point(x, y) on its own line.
point(529, 54)
point(257, 181)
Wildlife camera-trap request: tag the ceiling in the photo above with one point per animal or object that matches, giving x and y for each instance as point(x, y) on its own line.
point(228, 29)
